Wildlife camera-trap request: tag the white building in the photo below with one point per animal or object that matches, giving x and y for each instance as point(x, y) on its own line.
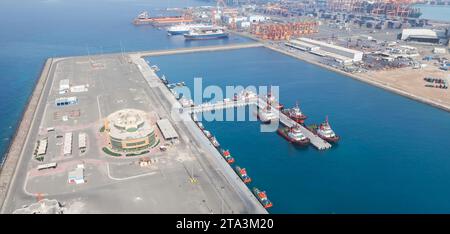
point(76, 176)
point(420, 35)
point(64, 86)
point(439, 50)
point(302, 45)
point(65, 101)
point(244, 24)
point(67, 143)
point(82, 141)
point(78, 89)
point(42, 147)
point(257, 18)
point(339, 53)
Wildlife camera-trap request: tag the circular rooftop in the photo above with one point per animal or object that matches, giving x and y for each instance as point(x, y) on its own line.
point(128, 119)
point(129, 124)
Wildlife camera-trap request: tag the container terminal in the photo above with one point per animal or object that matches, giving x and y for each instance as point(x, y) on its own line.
point(384, 43)
point(89, 131)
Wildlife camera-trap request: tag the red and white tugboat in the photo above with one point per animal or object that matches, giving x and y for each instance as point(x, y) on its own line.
point(294, 135)
point(243, 174)
point(262, 197)
point(227, 156)
point(295, 114)
point(325, 132)
point(273, 101)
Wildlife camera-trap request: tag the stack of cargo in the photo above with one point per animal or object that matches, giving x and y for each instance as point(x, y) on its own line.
point(283, 31)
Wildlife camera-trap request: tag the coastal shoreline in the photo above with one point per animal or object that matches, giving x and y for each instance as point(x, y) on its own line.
point(14, 151)
point(368, 81)
point(375, 83)
point(13, 155)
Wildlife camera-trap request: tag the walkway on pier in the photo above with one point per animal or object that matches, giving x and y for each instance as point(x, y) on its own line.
point(196, 49)
point(315, 140)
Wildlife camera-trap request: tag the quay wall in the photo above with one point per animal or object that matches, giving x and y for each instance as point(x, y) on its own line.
point(376, 83)
point(12, 156)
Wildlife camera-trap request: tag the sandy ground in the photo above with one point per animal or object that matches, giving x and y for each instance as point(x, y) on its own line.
point(411, 81)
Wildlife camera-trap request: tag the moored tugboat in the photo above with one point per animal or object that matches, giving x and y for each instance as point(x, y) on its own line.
point(207, 133)
point(243, 174)
point(325, 132)
point(214, 142)
point(294, 135)
point(227, 156)
point(295, 114)
point(262, 198)
point(164, 80)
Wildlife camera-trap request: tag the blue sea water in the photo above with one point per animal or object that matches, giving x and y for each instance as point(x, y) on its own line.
point(441, 13)
point(33, 30)
point(393, 156)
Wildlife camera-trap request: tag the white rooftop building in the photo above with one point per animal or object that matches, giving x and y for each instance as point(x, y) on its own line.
point(68, 143)
point(339, 53)
point(167, 129)
point(418, 32)
point(76, 176)
point(64, 86)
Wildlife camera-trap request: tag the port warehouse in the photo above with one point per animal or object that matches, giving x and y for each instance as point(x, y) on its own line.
point(339, 53)
point(65, 101)
point(167, 129)
point(68, 143)
point(424, 35)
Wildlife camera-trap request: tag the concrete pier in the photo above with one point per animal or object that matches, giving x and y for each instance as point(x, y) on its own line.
point(315, 140)
point(222, 167)
point(196, 49)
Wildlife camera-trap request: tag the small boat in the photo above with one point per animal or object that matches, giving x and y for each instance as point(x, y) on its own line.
point(154, 68)
point(262, 198)
point(194, 117)
point(227, 156)
point(294, 135)
point(207, 133)
point(243, 174)
point(295, 114)
point(325, 132)
point(164, 80)
point(214, 142)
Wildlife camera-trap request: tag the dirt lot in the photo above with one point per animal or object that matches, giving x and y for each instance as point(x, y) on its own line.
point(411, 81)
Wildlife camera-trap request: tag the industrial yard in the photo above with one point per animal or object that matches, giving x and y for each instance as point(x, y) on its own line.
point(381, 42)
point(100, 135)
point(70, 156)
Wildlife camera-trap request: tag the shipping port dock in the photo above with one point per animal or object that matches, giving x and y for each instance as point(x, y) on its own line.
point(315, 140)
point(100, 136)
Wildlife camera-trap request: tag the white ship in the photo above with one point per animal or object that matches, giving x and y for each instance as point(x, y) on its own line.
point(185, 28)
